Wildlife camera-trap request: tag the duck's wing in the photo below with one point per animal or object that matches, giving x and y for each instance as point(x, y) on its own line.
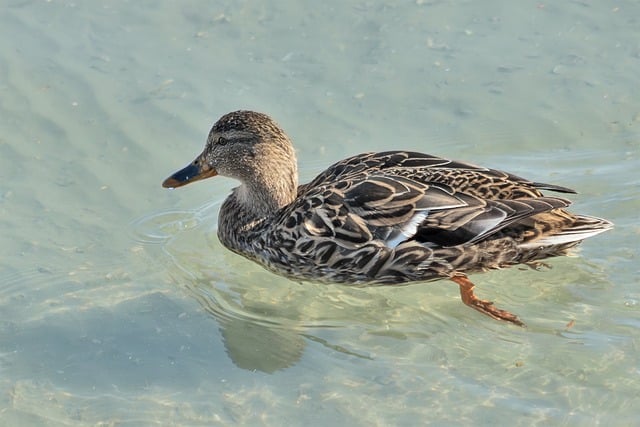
point(387, 207)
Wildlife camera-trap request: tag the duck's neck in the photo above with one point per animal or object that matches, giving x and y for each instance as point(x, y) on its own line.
point(248, 208)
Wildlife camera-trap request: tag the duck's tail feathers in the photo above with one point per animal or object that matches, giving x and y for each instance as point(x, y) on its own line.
point(583, 228)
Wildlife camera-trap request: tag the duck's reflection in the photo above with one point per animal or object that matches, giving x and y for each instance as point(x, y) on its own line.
point(256, 347)
point(259, 334)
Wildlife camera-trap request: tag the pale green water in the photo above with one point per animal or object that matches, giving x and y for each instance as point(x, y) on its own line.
point(118, 306)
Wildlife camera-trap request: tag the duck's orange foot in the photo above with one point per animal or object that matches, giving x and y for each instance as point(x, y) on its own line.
point(486, 307)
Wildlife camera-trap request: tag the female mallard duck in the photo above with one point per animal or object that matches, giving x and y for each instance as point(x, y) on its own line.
point(379, 218)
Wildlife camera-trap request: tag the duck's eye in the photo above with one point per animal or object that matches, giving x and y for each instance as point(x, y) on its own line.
point(221, 141)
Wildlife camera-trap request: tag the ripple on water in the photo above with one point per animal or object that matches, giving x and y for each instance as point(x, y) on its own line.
point(159, 227)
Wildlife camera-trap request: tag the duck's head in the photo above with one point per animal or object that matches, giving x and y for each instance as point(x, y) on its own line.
point(250, 147)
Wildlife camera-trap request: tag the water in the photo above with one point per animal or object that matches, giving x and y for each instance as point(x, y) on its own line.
point(118, 306)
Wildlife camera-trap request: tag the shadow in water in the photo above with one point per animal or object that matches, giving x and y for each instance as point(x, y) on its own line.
point(264, 335)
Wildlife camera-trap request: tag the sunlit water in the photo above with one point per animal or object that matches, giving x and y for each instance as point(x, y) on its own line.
point(118, 305)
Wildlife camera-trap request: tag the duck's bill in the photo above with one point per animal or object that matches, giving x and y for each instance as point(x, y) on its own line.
point(189, 174)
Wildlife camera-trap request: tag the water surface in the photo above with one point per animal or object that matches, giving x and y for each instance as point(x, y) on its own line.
point(118, 306)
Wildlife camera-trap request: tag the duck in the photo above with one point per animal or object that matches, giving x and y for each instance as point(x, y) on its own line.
point(380, 218)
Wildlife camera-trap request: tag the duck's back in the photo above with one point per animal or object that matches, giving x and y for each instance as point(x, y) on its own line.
point(464, 177)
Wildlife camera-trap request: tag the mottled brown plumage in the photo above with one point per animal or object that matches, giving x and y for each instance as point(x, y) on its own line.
point(379, 218)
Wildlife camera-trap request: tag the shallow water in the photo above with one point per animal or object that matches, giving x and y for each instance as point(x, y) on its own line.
point(118, 306)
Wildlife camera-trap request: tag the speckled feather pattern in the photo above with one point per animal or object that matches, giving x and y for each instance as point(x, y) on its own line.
point(353, 224)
